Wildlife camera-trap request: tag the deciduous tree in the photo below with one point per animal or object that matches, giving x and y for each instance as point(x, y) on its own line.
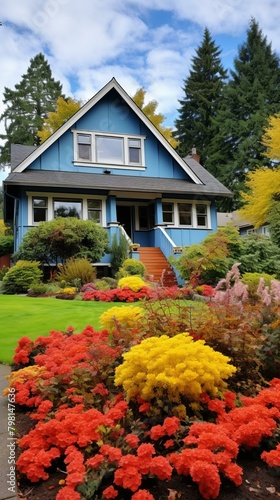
point(157, 119)
point(65, 108)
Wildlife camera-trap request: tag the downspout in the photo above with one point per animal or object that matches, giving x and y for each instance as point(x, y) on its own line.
point(16, 204)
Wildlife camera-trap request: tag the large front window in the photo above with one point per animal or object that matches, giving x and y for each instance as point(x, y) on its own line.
point(48, 207)
point(108, 149)
point(67, 208)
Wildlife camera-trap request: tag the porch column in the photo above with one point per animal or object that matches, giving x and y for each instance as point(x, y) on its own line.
point(111, 209)
point(158, 212)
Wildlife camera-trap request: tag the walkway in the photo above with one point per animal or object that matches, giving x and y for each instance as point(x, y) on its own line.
point(8, 485)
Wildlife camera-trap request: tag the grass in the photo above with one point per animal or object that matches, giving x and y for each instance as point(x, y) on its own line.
point(25, 316)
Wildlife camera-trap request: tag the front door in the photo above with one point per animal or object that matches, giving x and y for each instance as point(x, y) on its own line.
point(124, 217)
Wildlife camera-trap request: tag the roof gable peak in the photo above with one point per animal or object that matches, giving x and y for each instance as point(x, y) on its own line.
point(112, 84)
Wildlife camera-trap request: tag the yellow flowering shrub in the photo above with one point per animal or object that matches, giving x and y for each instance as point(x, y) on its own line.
point(173, 367)
point(134, 283)
point(69, 290)
point(125, 317)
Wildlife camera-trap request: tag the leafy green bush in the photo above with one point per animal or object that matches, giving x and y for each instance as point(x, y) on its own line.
point(252, 281)
point(210, 260)
point(20, 277)
point(37, 289)
point(101, 285)
point(132, 267)
point(6, 245)
point(259, 254)
point(3, 271)
point(76, 272)
point(63, 238)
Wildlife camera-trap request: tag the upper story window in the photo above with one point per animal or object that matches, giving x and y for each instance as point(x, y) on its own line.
point(124, 151)
point(190, 214)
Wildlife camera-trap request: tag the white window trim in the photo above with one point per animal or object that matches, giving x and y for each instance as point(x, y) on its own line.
point(194, 203)
point(52, 196)
point(93, 162)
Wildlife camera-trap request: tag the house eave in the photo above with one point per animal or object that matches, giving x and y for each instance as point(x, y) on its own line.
point(112, 183)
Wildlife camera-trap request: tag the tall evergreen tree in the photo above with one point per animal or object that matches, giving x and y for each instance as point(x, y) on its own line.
point(27, 106)
point(203, 91)
point(250, 97)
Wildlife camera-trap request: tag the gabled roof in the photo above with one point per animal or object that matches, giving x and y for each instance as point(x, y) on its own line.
point(112, 84)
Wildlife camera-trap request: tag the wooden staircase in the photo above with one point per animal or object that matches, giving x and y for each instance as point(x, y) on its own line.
point(158, 268)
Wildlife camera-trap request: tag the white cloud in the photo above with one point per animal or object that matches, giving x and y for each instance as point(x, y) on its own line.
point(145, 43)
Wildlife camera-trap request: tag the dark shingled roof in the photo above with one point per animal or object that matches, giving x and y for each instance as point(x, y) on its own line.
point(19, 153)
point(111, 182)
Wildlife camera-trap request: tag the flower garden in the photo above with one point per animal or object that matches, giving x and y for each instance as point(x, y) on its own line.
point(169, 388)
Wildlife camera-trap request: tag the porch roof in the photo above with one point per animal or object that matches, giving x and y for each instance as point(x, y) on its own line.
point(111, 182)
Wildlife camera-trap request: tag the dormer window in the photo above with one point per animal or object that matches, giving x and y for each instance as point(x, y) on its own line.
point(121, 151)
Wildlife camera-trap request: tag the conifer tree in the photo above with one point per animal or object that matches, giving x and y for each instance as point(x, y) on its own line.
point(250, 97)
point(203, 91)
point(27, 106)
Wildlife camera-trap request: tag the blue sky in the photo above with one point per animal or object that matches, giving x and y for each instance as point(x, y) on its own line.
point(142, 43)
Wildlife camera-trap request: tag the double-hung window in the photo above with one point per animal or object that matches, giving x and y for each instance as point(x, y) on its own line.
point(84, 146)
point(94, 210)
point(40, 209)
point(168, 213)
point(109, 149)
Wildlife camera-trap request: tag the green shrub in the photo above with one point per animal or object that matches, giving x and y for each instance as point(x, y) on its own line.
point(20, 277)
point(132, 267)
point(76, 272)
point(102, 285)
point(252, 281)
point(37, 289)
point(6, 245)
point(3, 271)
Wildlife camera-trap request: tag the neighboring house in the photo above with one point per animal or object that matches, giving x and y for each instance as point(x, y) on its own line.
point(244, 226)
point(108, 163)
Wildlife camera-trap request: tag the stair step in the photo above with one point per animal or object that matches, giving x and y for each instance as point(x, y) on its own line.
point(157, 266)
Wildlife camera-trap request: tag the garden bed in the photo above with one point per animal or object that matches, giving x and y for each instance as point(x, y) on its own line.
point(259, 481)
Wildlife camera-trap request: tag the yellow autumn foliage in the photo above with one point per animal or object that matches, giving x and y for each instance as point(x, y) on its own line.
point(262, 185)
point(271, 138)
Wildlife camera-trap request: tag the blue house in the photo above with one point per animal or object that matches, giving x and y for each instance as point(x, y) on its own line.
point(108, 163)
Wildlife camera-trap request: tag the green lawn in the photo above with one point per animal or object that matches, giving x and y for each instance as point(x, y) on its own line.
point(25, 316)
